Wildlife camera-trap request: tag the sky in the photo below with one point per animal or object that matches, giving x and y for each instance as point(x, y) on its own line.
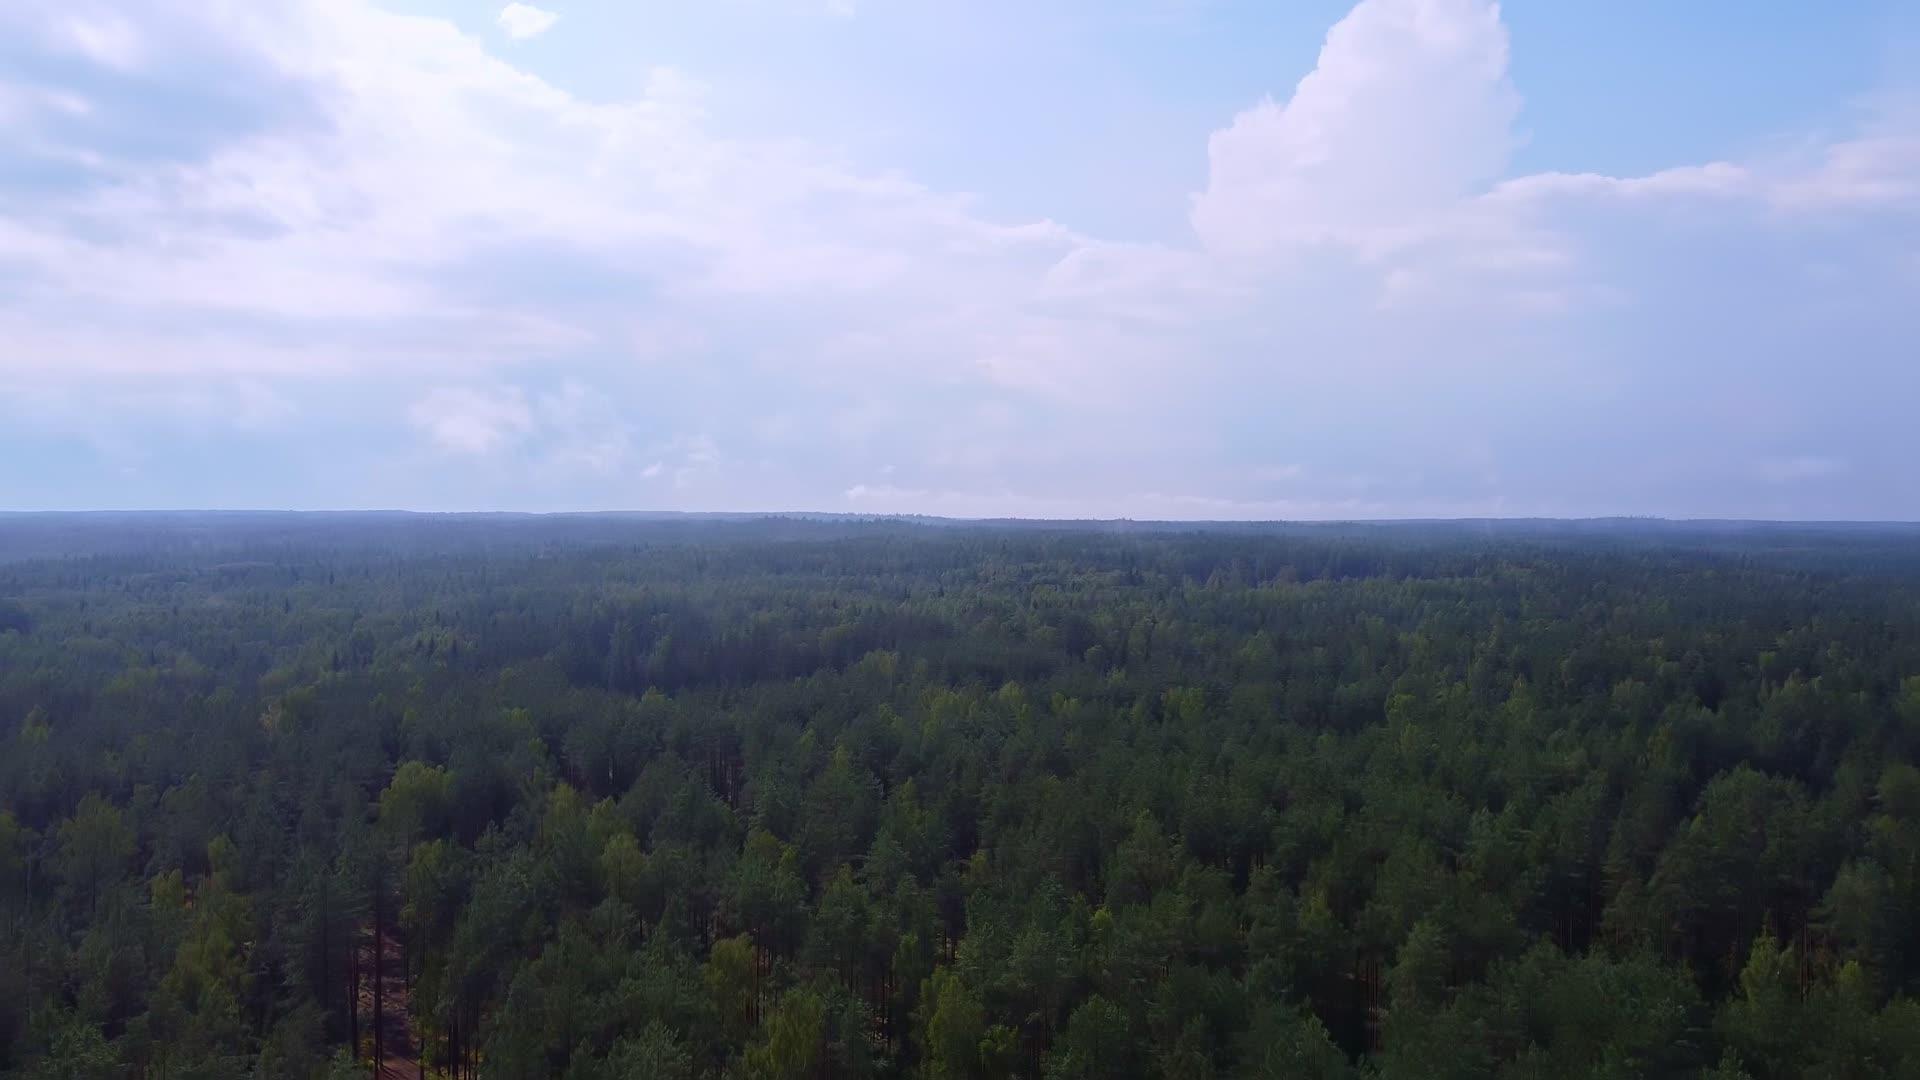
point(1166, 259)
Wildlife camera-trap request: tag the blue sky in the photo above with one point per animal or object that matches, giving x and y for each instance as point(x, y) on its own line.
point(1163, 259)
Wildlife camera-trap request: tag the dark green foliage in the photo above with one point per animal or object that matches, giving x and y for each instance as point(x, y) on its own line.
point(615, 797)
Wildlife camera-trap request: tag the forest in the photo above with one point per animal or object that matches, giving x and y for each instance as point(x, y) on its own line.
point(608, 797)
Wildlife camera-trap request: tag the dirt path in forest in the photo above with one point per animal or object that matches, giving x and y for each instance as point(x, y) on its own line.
point(399, 1043)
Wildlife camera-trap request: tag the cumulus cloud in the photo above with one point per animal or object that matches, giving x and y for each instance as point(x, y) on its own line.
point(1408, 110)
point(523, 21)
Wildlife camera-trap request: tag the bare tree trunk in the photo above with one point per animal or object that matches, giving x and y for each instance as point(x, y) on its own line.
point(353, 993)
point(326, 943)
point(379, 955)
point(420, 1036)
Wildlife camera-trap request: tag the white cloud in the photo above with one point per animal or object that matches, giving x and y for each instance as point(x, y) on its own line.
point(22, 104)
point(686, 460)
point(352, 221)
point(523, 21)
point(472, 420)
point(1718, 179)
point(1408, 111)
point(104, 38)
point(1392, 151)
point(699, 456)
point(572, 430)
point(1878, 171)
point(585, 430)
point(859, 492)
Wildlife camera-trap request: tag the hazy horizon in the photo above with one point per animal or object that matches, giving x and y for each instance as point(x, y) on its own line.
point(857, 515)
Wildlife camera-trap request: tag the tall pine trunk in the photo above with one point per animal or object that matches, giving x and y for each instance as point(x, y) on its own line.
point(379, 954)
point(353, 993)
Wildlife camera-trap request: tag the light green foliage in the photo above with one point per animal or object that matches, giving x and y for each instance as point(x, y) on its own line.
point(953, 1028)
point(733, 983)
point(78, 1052)
point(95, 847)
point(1098, 1042)
point(417, 801)
point(793, 1039)
point(655, 1054)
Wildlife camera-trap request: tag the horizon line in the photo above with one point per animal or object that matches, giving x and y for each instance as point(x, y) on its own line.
point(907, 516)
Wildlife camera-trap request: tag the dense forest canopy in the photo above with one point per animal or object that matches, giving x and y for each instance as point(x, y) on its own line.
point(621, 796)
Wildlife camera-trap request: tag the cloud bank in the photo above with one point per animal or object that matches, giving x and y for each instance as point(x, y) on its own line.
point(464, 286)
